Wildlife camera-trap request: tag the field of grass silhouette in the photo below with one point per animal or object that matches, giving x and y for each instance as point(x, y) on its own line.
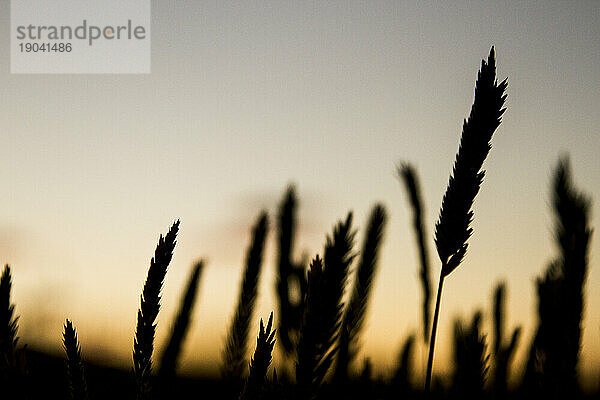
point(322, 310)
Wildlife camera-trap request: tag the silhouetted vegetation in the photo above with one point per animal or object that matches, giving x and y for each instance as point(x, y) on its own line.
point(8, 332)
point(260, 362)
point(470, 359)
point(320, 323)
point(503, 354)
point(401, 380)
point(453, 228)
point(234, 355)
point(408, 174)
point(75, 370)
point(143, 343)
point(323, 313)
point(170, 355)
point(12, 358)
point(291, 281)
point(554, 354)
point(354, 314)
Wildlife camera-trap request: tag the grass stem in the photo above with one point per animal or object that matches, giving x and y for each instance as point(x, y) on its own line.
point(436, 315)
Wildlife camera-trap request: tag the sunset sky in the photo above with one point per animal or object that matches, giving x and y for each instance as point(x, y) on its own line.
point(245, 98)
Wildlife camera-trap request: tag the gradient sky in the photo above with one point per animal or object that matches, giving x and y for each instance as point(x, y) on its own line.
point(247, 97)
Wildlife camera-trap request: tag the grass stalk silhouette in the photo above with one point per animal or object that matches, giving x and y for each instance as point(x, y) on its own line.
point(408, 175)
point(552, 367)
point(12, 358)
point(288, 274)
point(499, 295)
point(323, 312)
point(366, 373)
point(259, 364)
point(143, 342)
point(452, 229)
point(404, 366)
point(170, 355)
point(75, 370)
point(9, 323)
point(355, 311)
point(502, 354)
point(234, 354)
point(470, 360)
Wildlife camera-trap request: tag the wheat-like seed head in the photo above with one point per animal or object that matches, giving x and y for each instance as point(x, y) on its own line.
point(9, 323)
point(77, 383)
point(453, 227)
point(234, 354)
point(408, 174)
point(170, 356)
point(356, 309)
point(143, 343)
